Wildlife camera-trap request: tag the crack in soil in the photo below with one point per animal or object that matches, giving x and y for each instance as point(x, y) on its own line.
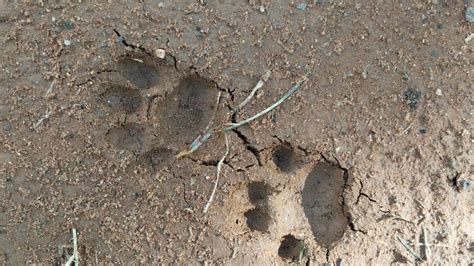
point(304, 150)
point(362, 194)
point(248, 145)
point(231, 93)
point(213, 163)
point(122, 40)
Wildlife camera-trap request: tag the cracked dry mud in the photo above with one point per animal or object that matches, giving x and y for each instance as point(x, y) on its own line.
point(376, 144)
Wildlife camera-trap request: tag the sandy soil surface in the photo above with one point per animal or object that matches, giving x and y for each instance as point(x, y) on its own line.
point(375, 149)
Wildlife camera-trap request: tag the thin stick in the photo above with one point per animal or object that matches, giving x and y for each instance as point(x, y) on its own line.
point(50, 89)
point(409, 249)
point(270, 108)
point(75, 254)
point(259, 85)
point(215, 112)
point(46, 116)
point(426, 245)
point(218, 172)
point(206, 135)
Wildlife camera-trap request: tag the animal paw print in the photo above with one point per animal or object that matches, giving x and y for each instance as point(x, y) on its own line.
point(258, 218)
point(322, 200)
point(162, 110)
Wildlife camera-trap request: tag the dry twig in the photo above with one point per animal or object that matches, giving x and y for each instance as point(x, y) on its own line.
point(209, 132)
point(409, 249)
point(218, 172)
point(75, 254)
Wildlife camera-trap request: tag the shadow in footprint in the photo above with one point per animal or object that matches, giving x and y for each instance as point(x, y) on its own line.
point(259, 193)
point(291, 248)
point(285, 158)
point(188, 109)
point(323, 203)
point(156, 159)
point(121, 99)
point(128, 136)
point(258, 219)
point(141, 74)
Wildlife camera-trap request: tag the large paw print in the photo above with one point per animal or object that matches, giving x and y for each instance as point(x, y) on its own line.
point(162, 109)
point(321, 199)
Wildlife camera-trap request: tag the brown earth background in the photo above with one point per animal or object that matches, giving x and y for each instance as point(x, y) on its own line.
point(376, 146)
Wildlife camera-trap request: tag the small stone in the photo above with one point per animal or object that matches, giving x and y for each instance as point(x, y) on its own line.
point(161, 4)
point(160, 53)
point(423, 131)
point(199, 33)
point(301, 6)
point(412, 97)
point(464, 184)
point(262, 9)
point(121, 39)
point(68, 24)
point(67, 42)
point(470, 14)
point(439, 92)
point(469, 38)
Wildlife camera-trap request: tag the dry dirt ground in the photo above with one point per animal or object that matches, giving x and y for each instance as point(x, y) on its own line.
point(376, 146)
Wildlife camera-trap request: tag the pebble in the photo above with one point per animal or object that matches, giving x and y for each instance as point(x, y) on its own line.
point(199, 33)
point(464, 184)
point(121, 39)
point(160, 53)
point(68, 24)
point(67, 42)
point(301, 6)
point(470, 14)
point(469, 38)
point(262, 9)
point(439, 92)
point(412, 97)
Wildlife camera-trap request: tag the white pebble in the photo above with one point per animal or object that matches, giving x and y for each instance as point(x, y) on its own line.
point(439, 92)
point(67, 42)
point(160, 53)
